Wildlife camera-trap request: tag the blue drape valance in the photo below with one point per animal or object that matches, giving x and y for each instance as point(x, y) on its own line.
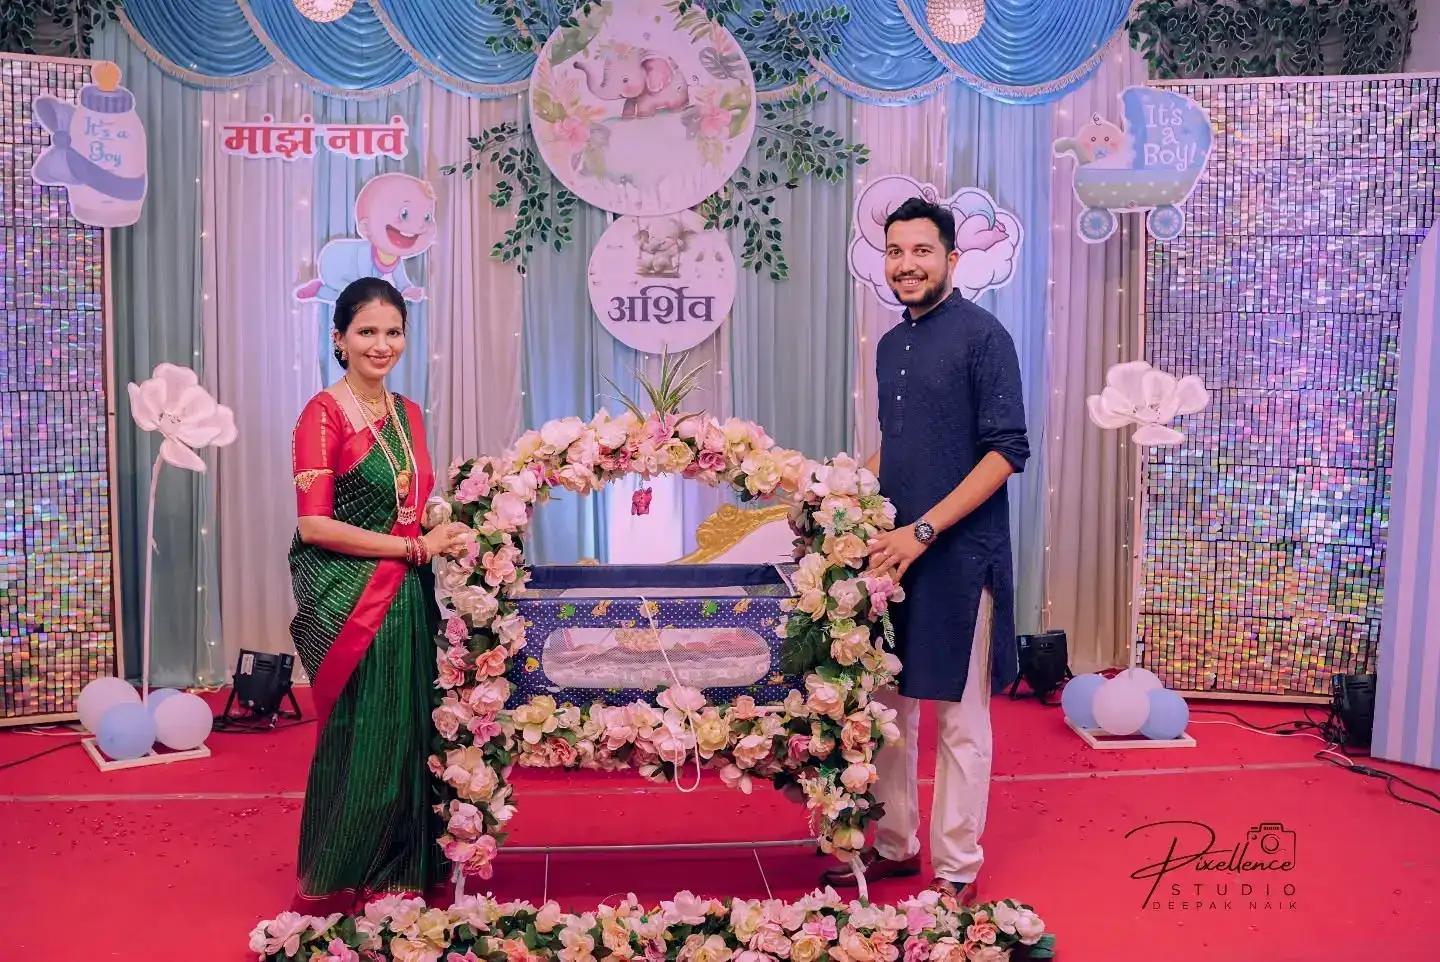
point(1028, 50)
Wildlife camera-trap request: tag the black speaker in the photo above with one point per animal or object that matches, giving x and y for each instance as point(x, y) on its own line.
point(1352, 705)
point(262, 682)
point(1044, 664)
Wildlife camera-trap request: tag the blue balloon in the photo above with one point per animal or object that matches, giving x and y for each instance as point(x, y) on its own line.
point(126, 731)
point(1078, 697)
point(158, 697)
point(1169, 714)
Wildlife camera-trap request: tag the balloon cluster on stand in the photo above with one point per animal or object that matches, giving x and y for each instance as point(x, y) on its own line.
point(126, 727)
point(1133, 701)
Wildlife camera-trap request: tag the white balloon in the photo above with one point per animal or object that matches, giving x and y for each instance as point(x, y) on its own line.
point(1143, 677)
point(1121, 706)
point(101, 695)
point(183, 722)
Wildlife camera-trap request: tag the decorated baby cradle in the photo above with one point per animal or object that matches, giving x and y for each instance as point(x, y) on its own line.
point(751, 673)
point(1152, 165)
point(619, 633)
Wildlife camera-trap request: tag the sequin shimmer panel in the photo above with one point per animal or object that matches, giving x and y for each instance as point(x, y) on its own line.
point(1265, 532)
point(57, 622)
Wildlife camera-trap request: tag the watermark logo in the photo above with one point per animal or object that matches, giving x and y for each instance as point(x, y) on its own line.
point(1195, 872)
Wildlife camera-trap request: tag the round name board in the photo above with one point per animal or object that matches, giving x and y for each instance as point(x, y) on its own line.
point(662, 283)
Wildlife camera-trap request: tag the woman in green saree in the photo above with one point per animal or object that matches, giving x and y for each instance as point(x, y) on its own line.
point(366, 620)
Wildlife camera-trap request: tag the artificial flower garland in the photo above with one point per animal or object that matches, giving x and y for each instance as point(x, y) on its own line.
point(819, 745)
point(818, 928)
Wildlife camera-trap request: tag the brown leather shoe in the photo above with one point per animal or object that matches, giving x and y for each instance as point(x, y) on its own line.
point(876, 869)
point(964, 893)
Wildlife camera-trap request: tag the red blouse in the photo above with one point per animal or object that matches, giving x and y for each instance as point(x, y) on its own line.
point(325, 444)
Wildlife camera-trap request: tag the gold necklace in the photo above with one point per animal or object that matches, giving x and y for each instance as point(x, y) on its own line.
point(405, 513)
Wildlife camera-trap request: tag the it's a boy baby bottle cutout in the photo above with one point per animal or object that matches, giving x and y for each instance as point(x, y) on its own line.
point(96, 152)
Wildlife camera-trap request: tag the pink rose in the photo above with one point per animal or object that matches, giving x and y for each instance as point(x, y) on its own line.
point(823, 928)
point(824, 698)
point(484, 728)
point(500, 566)
point(338, 951)
point(491, 664)
point(881, 591)
point(448, 676)
point(508, 512)
point(473, 488)
point(983, 932)
point(918, 920)
point(744, 709)
point(449, 717)
point(856, 732)
point(751, 750)
point(917, 949)
point(489, 697)
point(771, 941)
point(798, 747)
point(466, 821)
point(858, 778)
point(682, 699)
point(456, 630)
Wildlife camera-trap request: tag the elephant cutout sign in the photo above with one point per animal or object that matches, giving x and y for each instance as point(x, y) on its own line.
point(642, 109)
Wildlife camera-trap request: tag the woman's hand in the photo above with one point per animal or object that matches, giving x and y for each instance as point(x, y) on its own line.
point(447, 540)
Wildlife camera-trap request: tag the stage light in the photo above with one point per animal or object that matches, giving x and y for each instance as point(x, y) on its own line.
point(1352, 707)
point(955, 21)
point(323, 11)
point(262, 681)
point(1044, 664)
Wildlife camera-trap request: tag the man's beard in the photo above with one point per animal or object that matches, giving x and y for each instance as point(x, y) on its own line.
point(922, 298)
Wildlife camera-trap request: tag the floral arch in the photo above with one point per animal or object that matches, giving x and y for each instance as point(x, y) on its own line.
point(818, 745)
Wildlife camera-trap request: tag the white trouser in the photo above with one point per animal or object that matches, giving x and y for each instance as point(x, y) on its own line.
point(962, 771)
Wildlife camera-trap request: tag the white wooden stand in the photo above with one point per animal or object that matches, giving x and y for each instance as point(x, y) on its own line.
point(1098, 738)
point(150, 758)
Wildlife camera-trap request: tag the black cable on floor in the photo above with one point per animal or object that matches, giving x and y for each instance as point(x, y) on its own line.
point(1333, 732)
point(30, 758)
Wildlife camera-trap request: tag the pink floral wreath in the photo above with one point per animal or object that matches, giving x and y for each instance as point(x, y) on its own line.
point(819, 745)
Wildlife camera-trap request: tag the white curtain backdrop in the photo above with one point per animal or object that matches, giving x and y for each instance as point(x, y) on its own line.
point(902, 140)
point(257, 242)
point(473, 408)
point(1095, 311)
point(677, 506)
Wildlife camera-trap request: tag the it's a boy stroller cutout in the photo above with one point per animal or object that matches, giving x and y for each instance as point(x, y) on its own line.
point(1152, 165)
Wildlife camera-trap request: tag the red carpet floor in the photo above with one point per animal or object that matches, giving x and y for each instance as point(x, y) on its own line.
point(176, 863)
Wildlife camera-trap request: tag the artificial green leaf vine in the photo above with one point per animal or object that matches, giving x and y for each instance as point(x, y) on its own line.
point(1210, 39)
point(53, 28)
point(780, 46)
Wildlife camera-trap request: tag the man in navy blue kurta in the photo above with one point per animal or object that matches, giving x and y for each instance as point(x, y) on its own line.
point(952, 430)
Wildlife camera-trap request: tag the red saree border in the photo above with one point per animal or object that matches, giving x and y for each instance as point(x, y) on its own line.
point(352, 901)
point(360, 628)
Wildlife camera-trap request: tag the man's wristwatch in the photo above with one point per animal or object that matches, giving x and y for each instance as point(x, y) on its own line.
point(924, 532)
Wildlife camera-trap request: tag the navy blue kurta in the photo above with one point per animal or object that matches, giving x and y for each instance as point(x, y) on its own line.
point(950, 394)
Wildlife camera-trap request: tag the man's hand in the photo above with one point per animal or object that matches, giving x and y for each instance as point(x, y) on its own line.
point(896, 550)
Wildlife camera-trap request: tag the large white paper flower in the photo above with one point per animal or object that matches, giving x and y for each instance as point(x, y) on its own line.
point(1136, 393)
point(173, 403)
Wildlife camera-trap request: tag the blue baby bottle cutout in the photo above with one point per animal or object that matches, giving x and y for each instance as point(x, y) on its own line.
point(96, 152)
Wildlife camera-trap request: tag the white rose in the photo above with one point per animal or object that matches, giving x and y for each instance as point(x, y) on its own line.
point(1029, 927)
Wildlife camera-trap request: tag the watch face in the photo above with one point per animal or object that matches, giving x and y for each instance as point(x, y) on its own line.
point(923, 532)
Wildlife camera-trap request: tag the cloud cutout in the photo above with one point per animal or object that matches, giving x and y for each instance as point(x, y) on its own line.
point(987, 237)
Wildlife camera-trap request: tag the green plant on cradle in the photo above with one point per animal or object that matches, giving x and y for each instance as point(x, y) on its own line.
point(789, 146)
point(668, 392)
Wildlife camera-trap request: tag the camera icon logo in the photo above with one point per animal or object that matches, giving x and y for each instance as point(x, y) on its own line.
point(1275, 840)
